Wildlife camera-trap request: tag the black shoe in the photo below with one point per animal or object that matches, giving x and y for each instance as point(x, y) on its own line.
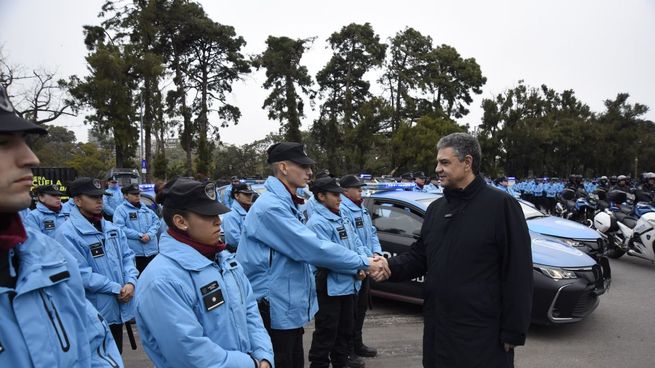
point(355, 362)
point(365, 351)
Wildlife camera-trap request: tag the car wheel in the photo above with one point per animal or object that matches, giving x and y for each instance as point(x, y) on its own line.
point(614, 252)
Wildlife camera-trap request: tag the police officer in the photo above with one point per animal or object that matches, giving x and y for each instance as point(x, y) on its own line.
point(48, 214)
point(352, 208)
point(276, 250)
point(104, 257)
point(113, 197)
point(194, 305)
point(419, 182)
point(407, 177)
point(45, 321)
point(140, 225)
point(433, 186)
point(311, 203)
point(333, 337)
point(233, 220)
point(227, 194)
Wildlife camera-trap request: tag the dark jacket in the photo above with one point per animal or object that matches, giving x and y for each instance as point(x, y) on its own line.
point(475, 248)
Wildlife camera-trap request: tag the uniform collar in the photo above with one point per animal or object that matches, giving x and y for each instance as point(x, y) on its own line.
point(347, 202)
point(187, 257)
point(326, 213)
point(130, 205)
point(238, 208)
point(83, 225)
point(277, 188)
point(42, 207)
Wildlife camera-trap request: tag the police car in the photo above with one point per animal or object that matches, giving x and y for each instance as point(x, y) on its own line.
point(567, 282)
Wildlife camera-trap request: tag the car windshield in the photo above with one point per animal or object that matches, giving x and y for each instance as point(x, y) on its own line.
point(531, 212)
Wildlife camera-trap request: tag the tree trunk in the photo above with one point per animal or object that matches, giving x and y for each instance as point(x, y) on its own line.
point(293, 125)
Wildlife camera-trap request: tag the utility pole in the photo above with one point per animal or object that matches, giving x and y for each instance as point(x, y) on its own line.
point(143, 168)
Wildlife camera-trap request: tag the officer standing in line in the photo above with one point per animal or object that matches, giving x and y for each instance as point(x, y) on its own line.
point(551, 189)
point(419, 182)
point(45, 320)
point(433, 186)
point(105, 259)
point(48, 214)
point(333, 337)
point(353, 209)
point(276, 250)
point(233, 220)
point(311, 203)
point(227, 194)
point(194, 305)
point(112, 199)
point(140, 225)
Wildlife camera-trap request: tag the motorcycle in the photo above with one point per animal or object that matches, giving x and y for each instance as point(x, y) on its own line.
point(577, 206)
point(627, 233)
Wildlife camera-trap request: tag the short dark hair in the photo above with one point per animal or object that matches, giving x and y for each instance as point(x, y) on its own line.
point(464, 145)
point(167, 215)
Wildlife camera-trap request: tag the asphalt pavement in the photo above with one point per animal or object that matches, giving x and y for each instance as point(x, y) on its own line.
point(620, 333)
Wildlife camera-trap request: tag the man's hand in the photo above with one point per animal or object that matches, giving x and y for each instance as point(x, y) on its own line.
point(126, 294)
point(508, 347)
point(145, 238)
point(379, 268)
point(264, 364)
point(361, 275)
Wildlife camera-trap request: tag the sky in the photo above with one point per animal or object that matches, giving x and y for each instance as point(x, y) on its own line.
point(598, 48)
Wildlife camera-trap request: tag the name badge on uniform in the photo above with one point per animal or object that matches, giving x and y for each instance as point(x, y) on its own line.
point(48, 225)
point(97, 250)
point(359, 222)
point(343, 235)
point(112, 234)
point(132, 215)
point(212, 296)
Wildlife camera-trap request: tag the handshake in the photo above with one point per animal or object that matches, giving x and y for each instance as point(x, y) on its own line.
point(378, 268)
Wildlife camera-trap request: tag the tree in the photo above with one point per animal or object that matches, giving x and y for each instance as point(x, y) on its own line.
point(89, 160)
point(56, 148)
point(285, 76)
point(356, 50)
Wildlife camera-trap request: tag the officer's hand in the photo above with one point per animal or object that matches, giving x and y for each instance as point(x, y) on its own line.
point(145, 238)
point(264, 364)
point(379, 268)
point(361, 275)
point(127, 292)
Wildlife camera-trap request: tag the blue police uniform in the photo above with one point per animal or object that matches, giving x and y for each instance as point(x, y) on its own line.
point(68, 206)
point(337, 229)
point(106, 263)
point(227, 196)
point(191, 311)
point(417, 188)
point(232, 224)
point(310, 207)
point(431, 188)
point(45, 219)
point(363, 225)
point(45, 321)
point(24, 213)
point(276, 250)
point(136, 222)
point(110, 202)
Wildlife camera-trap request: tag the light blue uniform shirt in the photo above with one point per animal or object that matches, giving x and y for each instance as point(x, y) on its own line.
point(135, 223)
point(45, 220)
point(45, 321)
point(276, 250)
point(194, 312)
point(233, 224)
point(110, 202)
point(363, 225)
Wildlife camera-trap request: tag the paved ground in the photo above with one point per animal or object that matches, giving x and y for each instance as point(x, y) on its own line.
point(620, 333)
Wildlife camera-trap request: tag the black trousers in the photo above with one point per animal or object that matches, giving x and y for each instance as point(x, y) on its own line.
point(287, 344)
point(142, 262)
point(361, 305)
point(117, 332)
point(333, 336)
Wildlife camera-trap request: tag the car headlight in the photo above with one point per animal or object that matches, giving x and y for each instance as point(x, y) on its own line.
point(573, 243)
point(556, 273)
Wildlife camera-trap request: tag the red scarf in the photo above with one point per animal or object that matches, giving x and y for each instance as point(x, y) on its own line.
point(208, 251)
point(12, 231)
point(53, 208)
point(336, 212)
point(294, 196)
point(358, 203)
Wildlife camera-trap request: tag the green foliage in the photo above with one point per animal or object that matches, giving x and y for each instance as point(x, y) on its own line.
point(415, 146)
point(89, 160)
point(284, 75)
point(55, 148)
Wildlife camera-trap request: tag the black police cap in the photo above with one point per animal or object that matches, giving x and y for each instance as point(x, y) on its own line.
point(407, 176)
point(351, 181)
point(420, 175)
point(131, 189)
point(288, 151)
point(51, 189)
point(10, 122)
point(194, 196)
point(87, 186)
point(242, 188)
point(326, 185)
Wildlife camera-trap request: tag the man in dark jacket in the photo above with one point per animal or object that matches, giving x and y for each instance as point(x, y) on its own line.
point(474, 249)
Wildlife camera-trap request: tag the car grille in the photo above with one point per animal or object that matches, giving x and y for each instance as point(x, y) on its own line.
point(586, 302)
